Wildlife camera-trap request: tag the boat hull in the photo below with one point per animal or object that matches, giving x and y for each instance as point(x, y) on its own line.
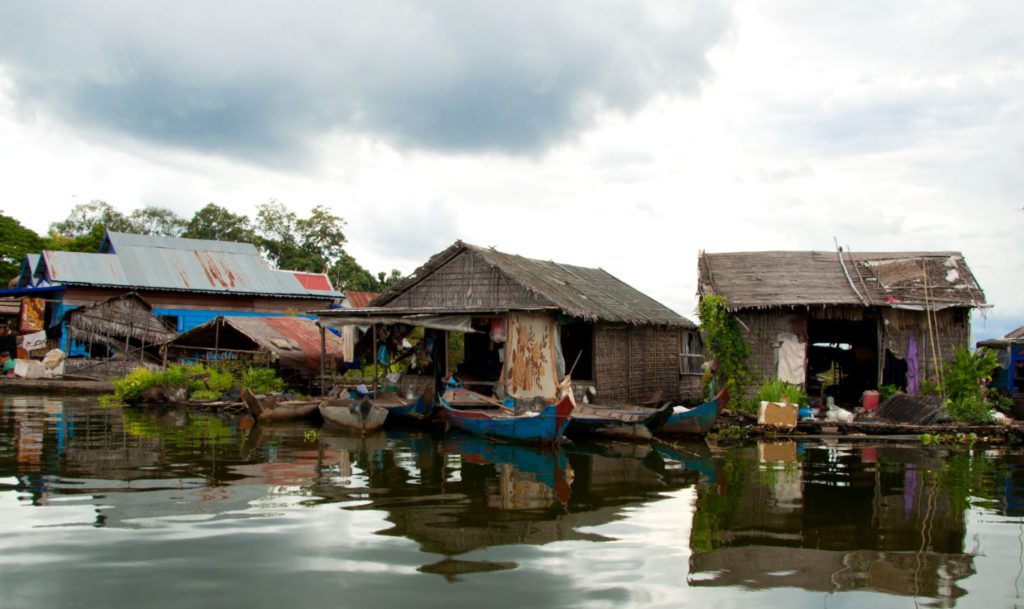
point(697, 421)
point(362, 416)
point(616, 423)
point(544, 427)
point(268, 408)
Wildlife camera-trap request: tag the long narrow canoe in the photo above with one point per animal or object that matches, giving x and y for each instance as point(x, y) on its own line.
point(270, 408)
point(544, 427)
point(696, 421)
point(617, 422)
point(402, 410)
point(356, 415)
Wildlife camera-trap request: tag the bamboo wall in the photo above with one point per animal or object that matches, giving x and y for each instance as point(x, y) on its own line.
point(951, 329)
point(467, 281)
point(631, 363)
point(761, 329)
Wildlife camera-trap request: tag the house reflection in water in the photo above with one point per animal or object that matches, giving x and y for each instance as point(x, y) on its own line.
point(835, 518)
point(471, 493)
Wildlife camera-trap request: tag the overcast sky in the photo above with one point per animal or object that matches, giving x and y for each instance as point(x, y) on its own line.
point(625, 135)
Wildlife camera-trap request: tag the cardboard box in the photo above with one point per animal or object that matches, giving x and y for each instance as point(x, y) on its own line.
point(778, 414)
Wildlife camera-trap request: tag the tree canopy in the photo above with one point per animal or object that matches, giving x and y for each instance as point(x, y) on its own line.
point(15, 242)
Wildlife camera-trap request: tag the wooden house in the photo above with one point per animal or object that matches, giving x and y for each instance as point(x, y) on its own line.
point(527, 322)
point(840, 323)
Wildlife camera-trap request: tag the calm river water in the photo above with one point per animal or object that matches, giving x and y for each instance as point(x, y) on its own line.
point(110, 507)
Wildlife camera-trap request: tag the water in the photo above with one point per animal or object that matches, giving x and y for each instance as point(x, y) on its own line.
point(104, 507)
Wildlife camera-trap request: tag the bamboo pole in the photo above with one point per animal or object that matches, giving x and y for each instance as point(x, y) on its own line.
point(373, 328)
point(216, 338)
point(323, 361)
point(931, 333)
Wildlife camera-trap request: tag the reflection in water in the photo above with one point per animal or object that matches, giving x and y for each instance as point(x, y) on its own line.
point(200, 498)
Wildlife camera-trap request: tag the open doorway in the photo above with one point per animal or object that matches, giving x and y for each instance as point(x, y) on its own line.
point(842, 358)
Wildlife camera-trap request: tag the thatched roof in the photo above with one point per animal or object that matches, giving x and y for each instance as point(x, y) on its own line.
point(910, 280)
point(587, 293)
point(117, 318)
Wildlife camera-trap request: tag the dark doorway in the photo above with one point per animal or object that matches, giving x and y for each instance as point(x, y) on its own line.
point(578, 342)
point(842, 359)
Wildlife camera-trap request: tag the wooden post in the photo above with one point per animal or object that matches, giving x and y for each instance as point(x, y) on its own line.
point(128, 334)
point(323, 361)
point(216, 338)
point(373, 328)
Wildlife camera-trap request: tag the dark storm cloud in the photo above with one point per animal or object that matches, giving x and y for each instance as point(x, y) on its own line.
point(261, 81)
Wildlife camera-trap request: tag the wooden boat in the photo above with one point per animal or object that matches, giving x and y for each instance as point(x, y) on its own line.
point(272, 408)
point(697, 420)
point(483, 416)
point(360, 415)
point(617, 422)
point(401, 409)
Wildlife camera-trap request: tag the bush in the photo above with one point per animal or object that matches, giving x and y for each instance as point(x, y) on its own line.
point(967, 398)
point(220, 382)
point(131, 387)
point(775, 390)
point(261, 381)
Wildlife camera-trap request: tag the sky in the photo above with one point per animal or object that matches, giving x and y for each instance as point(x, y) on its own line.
point(622, 135)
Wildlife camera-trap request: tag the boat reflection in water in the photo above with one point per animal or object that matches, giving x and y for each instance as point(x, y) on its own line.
point(204, 498)
point(461, 493)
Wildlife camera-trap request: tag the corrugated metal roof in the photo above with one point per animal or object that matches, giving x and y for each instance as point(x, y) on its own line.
point(794, 278)
point(79, 267)
point(114, 242)
point(295, 340)
point(359, 300)
point(170, 263)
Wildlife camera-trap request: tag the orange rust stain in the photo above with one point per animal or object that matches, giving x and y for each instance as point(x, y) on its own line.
point(214, 274)
point(184, 279)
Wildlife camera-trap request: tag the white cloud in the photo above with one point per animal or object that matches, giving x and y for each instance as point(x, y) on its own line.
point(887, 126)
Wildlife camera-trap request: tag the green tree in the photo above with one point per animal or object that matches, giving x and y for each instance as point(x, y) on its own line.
point(216, 222)
point(15, 242)
point(156, 221)
point(85, 217)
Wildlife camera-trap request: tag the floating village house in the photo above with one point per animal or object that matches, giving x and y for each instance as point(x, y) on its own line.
point(527, 322)
point(187, 282)
point(1009, 378)
point(840, 323)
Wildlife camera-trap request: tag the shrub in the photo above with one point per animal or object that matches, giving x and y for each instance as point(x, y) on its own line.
point(776, 390)
point(220, 381)
point(262, 380)
point(137, 381)
point(887, 391)
point(967, 397)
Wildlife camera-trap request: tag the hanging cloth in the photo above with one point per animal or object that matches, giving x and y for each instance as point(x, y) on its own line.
point(913, 374)
point(792, 359)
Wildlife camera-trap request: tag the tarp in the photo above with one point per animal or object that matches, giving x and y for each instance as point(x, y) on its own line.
point(451, 323)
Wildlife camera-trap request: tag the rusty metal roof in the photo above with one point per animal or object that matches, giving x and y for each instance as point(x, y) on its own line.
point(171, 263)
point(295, 340)
point(359, 300)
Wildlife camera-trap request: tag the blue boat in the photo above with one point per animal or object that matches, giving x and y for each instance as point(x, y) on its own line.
point(403, 409)
point(483, 416)
point(696, 421)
